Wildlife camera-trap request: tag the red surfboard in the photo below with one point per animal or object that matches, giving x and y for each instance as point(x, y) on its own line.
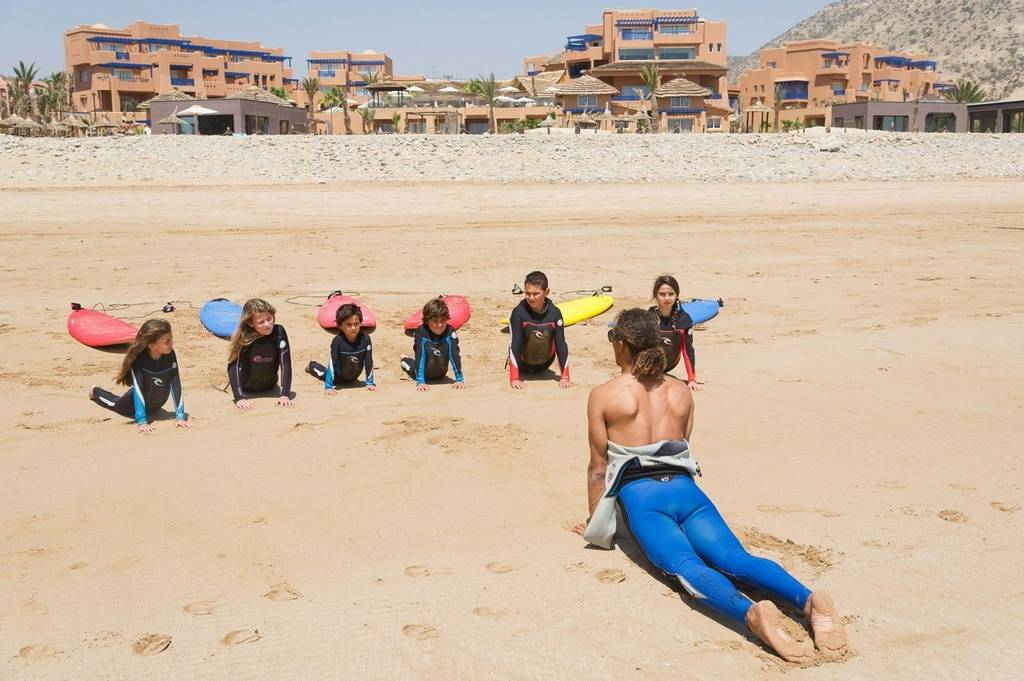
point(98, 329)
point(458, 308)
point(327, 314)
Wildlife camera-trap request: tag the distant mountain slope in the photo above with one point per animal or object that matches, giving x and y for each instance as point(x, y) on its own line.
point(974, 39)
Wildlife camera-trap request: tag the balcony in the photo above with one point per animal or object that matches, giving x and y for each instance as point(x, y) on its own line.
point(327, 74)
point(839, 93)
point(626, 98)
point(183, 82)
point(636, 35)
point(121, 56)
point(682, 111)
point(715, 95)
point(580, 109)
point(581, 43)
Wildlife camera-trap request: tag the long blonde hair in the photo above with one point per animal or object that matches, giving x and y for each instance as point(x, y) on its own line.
point(246, 333)
point(150, 332)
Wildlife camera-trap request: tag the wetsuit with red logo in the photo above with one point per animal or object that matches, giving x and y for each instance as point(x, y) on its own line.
point(257, 365)
point(676, 333)
point(537, 339)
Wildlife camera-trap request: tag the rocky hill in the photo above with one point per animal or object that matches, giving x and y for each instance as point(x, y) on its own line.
point(974, 39)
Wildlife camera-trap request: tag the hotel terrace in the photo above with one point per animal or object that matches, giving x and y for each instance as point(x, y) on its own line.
point(116, 70)
point(603, 66)
point(342, 68)
point(812, 75)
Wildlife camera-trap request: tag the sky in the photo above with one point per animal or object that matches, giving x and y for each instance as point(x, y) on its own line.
point(458, 38)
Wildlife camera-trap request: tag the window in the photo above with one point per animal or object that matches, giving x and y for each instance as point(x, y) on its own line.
point(677, 53)
point(838, 87)
point(772, 65)
point(634, 91)
point(680, 103)
point(84, 76)
point(675, 29)
point(633, 55)
point(892, 123)
point(636, 34)
point(680, 125)
point(715, 123)
point(123, 74)
point(718, 47)
point(586, 100)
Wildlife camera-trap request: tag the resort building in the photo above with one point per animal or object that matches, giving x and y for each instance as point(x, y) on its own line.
point(252, 111)
point(1001, 116)
point(810, 76)
point(116, 70)
point(688, 52)
point(929, 114)
point(5, 97)
point(342, 68)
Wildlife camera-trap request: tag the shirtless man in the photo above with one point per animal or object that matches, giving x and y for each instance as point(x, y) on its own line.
point(639, 423)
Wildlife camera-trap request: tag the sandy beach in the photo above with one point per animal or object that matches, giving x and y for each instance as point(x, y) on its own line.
point(861, 423)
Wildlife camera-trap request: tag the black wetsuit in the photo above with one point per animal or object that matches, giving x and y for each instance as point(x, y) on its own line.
point(536, 340)
point(153, 381)
point(347, 361)
point(433, 354)
point(257, 365)
point(676, 333)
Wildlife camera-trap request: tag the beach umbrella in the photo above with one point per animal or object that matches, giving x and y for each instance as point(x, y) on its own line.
point(196, 111)
point(415, 88)
point(171, 120)
point(508, 88)
point(548, 123)
point(56, 128)
point(526, 100)
point(352, 102)
point(449, 88)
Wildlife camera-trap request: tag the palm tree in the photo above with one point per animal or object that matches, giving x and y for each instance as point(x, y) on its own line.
point(967, 92)
point(280, 93)
point(344, 104)
point(396, 120)
point(311, 86)
point(652, 80)
point(367, 119)
point(779, 93)
point(21, 92)
point(370, 77)
point(332, 98)
point(488, 89)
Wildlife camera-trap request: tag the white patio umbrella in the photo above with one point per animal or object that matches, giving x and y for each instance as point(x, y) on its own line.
point(449, 88)
point(197, 111)
point(508, 88)
point(414, 88)
point(526, 100)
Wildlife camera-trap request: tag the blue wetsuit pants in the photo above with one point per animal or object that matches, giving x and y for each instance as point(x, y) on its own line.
point(682, 533)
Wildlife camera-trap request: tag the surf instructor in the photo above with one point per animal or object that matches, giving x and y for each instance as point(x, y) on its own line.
point(638, 425)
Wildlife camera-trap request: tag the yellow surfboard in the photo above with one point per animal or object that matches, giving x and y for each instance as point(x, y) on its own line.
point(580, 309)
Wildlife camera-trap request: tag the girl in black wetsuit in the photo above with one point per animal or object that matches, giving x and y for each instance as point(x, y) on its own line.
point(675, 328)
point(351, 353)
point(259, 351)
point(150, 367)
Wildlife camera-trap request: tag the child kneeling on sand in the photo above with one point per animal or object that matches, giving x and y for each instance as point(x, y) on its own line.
point(259, 350)
point(351, 352)
point(150, 367)
point(435, 345)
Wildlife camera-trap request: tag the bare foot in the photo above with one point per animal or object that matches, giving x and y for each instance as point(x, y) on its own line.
point(829, 632)
point(92, 392)
point(765, 620)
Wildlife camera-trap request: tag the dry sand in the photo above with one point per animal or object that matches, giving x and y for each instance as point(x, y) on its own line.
point(861, 423)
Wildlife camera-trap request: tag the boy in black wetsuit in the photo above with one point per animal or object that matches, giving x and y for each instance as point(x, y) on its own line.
point(351, 353)
point(538, 334)
point(150, 367)
point(259, 350)
point(435, 345)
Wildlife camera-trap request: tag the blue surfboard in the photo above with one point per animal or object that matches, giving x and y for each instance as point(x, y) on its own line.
point(220, 316)
point(699, 310)
point(702, 310)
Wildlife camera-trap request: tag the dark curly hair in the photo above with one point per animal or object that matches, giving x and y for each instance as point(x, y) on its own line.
point(437, 309)
point(345, 311)
point(638, 329)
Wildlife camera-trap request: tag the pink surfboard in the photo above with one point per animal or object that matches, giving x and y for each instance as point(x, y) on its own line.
point(98, 329)
point(458, 308)
point(327, 313)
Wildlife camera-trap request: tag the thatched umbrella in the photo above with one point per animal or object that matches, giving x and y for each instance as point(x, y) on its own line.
point(11, 122)
point(30, 125)
point(56, 128)
point(172, 120)
point(548, 123)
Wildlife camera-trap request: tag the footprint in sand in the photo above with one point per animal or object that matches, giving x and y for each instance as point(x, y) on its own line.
point(37, 652)
point(424, 571)
point(953, 516)
point(240, 636)
point(490, 613)
point(151, 644)
point(890, 484)
point(282, 592)
point(498, 568)
point(200, 608)
point(1005, 508)
point(792, 508)
point(611, 576)
point(420, 632)
point(962, 487)
point(77, 566)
